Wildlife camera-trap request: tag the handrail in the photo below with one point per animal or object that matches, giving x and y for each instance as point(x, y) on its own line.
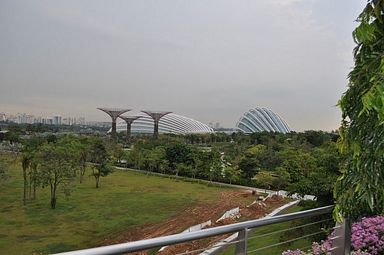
point(184, 237)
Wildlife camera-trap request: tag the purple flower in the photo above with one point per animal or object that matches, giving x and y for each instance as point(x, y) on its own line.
point(367, 239)
point(295, 252)
point(368, 235)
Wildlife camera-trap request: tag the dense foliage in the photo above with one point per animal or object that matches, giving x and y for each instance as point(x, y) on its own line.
point(4, 163)
point(55, 162)
point(304, 163)
point(360, 189)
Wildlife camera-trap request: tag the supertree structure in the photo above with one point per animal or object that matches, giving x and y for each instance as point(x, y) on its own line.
point(114, 113)
point(129, 120)
point(156, 116)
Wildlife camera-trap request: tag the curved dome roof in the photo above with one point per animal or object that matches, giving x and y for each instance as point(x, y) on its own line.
point(262, 119)
point(170, 123)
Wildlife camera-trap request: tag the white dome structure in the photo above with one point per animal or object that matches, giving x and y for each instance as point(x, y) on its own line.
point(262, 119)
point(169, 124)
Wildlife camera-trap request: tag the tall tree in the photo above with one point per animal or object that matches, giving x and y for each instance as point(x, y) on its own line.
point(177, 153)
point(4, 164)
point(100, 160)
point(232, 174)
point(360, 189)
point(56, 167)
point(25, 163)
point(29, 165)
point(83, 154)
point(34, 180)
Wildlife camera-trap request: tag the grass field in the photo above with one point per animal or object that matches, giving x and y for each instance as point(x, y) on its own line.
point(124, 200)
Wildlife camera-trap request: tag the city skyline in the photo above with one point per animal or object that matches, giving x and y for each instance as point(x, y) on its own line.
point(28, 118)
point(55, 119)
point(199, 59)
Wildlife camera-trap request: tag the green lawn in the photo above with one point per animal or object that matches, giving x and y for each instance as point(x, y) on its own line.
point(124, 200)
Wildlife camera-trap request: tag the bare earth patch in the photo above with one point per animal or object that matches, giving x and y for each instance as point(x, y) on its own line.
point(197, 214)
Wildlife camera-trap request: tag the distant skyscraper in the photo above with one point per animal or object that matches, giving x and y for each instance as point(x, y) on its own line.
point(37, 120)
point(56, 120)
point(3, 117)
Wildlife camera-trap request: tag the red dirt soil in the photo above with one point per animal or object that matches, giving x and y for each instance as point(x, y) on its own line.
point(197, 214)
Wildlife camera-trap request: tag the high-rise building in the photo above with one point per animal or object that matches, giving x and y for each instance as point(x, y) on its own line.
point(3, 117)
point(56, 120)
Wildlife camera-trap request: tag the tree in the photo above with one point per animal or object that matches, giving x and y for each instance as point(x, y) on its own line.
point(216, 169)
point(298, 163)
point(83, 148)
point(100, 160)
point(34, 180)
point(264, 179)
point(232, 174)
point(56, 167)
point(25, 163)
point(202, 164)
point(101, 170)
point(281, 180)
point(154, 159)
point(360, 190)
point(177, 153)
point(29, 165)
point(250, 163)
point(4, 164)
point(13, 134)
point(183, 169)
point(249, 166)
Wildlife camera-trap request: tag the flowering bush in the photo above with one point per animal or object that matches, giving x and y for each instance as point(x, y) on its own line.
point(368, 235)
point(367, 239)
point(295, 252)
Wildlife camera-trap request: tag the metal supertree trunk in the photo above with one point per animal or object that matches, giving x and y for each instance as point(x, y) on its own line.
point(156, 116)
point(129, 120)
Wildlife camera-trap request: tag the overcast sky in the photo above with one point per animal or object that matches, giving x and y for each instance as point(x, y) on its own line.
point(210, 60)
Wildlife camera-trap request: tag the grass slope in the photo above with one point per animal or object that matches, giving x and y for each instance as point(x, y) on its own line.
point(124, 200)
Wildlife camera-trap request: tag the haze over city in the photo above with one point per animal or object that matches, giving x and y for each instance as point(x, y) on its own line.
point(208, 60)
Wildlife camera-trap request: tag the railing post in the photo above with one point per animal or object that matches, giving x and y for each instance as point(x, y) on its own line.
point(341, 244)
point(241, 247)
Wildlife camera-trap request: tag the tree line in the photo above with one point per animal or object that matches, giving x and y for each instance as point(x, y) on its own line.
point(56, 163)
point(304, 163)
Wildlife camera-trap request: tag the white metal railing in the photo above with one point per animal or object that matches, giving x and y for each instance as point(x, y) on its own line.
point(341, 240)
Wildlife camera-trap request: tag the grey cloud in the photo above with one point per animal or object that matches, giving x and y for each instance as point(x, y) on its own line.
point(210, 60)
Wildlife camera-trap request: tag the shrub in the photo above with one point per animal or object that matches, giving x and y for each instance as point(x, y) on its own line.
point(368, 235)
